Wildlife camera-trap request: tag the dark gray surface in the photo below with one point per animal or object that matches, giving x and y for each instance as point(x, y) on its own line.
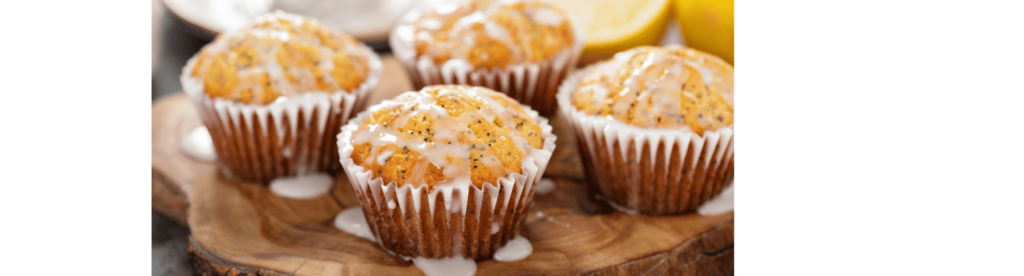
point(178, 43)
point(170, 242)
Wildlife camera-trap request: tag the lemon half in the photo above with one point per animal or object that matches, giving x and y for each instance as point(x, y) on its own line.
point(614, 25)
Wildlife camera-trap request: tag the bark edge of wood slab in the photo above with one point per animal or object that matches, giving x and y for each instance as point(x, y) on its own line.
point(691, 255)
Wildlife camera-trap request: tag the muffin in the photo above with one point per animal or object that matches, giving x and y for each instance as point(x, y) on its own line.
point(446, 171)
point(273, 94)
point(521, 48)
point(654, 127)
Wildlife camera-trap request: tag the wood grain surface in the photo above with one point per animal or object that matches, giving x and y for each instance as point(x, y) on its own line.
point(241, 228)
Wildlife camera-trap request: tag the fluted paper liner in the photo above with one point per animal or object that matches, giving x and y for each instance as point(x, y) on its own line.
point(532, 84)
point(294, 135)
point(647, 170)
point(448, 221)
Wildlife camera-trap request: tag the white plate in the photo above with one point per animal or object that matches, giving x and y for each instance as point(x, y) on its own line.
point(367, 20)
point(216, 16)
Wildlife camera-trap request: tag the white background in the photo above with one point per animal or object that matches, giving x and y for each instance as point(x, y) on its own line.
point(875, 137)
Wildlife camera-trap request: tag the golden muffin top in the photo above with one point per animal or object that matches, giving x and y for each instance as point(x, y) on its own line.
point(446, 134)
point(660, 87)
point(489, 33)
point(279, 55)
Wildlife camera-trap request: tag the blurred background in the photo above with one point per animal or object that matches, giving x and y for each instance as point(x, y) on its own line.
point(182, 27)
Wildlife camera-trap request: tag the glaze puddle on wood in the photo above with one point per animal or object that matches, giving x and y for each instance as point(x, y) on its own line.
point(446, 267)
point(721, 204)
point(302, 186)
point(353, 221)
point(198, 145)
point(516, 249)
point(545, 186)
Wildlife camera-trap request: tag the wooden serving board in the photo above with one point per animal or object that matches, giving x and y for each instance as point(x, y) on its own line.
point(242, 228)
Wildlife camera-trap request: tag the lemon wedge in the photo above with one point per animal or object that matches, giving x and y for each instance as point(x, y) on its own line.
point(707, 25)
point(614, 25)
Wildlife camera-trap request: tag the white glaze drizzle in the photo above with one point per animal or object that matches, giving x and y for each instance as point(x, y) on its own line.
point(384, 156)
point(455, 266)
point(660, 71)
point(353, 221)
point(438, 151)
point(494, 228)
point(545, 186)
point(516, 249)
point(721, 77)
point(721, 204)
point(655, 82)
point(559, 222)
point(249, 77)
point(464, 35)
point(547, 17)
point(198, 144)
point(302, 186)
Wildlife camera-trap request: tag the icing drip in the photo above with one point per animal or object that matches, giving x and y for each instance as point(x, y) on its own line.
point(516, 249)
point(547, 17)
point(545, 186)
point(302, 186)
point(659, 71)
point(721, 204)
point(384, 156)
point(198, 144)
point(353, 221)
point(556, 221)
point(446, 267)
point(494, 228)
point(622, 209)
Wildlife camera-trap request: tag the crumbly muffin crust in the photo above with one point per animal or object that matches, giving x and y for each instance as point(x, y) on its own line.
point(490, 33)
point(660, 87)
point(446, 134)
point(280, 55)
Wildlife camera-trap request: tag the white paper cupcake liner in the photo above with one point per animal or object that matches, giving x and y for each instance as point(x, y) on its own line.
point(448, 221)
point(294, 135)
point(647, 170)
point(532, 84)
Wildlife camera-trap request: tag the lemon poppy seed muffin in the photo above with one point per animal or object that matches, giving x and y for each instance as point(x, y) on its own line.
point(521, 47)
point(281, 55)
point(491, 33)
point(274, 94)
point(479, 130)
point(655, 127)
point(467, 150)
point(669, 87)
